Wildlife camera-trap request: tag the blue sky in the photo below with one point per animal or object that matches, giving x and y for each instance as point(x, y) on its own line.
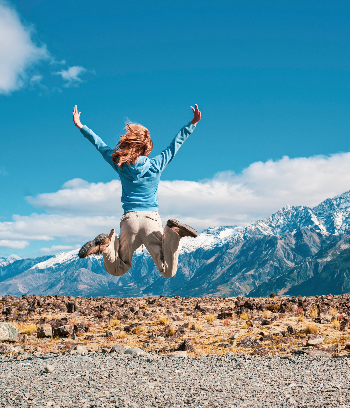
point(272, 82)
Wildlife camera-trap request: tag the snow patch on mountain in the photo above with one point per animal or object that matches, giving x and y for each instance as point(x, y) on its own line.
point(10, 259)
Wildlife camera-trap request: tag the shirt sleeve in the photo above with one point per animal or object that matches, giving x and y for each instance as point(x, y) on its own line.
point(100, 145)
point(167, 155)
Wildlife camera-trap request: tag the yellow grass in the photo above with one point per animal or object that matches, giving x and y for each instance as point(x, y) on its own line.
point(244, 326)
point(266, 314)
point(26, 328)
point(333, 312)
point(171, 331)
point(311, 328)
point(163, 320)
point(209, 318)
point(115, 322)
point(138, 330)
point(198, 327)
point(121, 335)
point(198, 314)
point(301, 317)
point(335, 324)
point(313, 313)
point(244, 316)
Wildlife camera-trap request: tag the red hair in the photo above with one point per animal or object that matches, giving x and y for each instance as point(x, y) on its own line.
point(136, 142)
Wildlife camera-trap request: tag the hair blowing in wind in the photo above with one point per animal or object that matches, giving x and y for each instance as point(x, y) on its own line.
point(136, 142)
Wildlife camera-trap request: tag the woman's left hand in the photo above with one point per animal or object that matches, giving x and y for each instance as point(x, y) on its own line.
point(196, 115)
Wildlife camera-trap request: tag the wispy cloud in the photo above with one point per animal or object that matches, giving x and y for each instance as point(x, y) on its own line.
point(57, 248)
point(71, 76)
point(18, 52)
point(20, 55)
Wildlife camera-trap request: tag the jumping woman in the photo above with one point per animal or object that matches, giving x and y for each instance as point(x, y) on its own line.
point(141, 223)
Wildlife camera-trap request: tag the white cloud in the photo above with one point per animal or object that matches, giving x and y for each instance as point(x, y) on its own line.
point(56, 248)
point(18, 52)
point(71, 75)
point(227, 199)
point(13, 244)
point(81, 210)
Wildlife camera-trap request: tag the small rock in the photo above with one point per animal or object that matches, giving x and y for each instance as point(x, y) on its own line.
point(265, 322)
point(5, 348)
point(135, 351)
point(63, 331)
point(81, 350)
point(314, 340)
point(119, 349)
point(290, 330)
point(109, 333)
point(249, 342)
point(44, 331)
point(178, 353)
point(234, 336)
point(318, 353)
point(186, 345)
point(81, 328)
point(8, 332)
point(131, 327)
point(49, 368)
point(105, 350)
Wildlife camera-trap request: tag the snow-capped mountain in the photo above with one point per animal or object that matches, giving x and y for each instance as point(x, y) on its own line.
point(8, 260)
point(227, 260)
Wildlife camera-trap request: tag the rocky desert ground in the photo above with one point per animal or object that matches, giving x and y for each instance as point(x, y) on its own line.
point(318, 326)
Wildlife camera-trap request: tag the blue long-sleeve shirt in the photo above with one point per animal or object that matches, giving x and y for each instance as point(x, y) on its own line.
point(140, 181)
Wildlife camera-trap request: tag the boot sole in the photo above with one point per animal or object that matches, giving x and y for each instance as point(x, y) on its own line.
point(191, 232)
point(85, 250)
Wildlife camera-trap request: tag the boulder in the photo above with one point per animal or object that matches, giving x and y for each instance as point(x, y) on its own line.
point(314, 340)
point(178, 353)
point(249, 342)
point(8, 332)
point(186, 345)
point(119, 349)
point(81, 328)
point(79, 349)
point(63, 331)
point(44, 330)
point(135, 351)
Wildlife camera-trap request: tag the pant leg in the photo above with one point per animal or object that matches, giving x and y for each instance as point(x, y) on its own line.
point(118, 255)
point(161, 243)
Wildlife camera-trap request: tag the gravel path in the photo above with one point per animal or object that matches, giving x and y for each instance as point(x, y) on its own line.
point(112, 380)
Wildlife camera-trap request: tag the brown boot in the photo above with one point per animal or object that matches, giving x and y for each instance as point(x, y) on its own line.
point(95, 247)
point(182, 229)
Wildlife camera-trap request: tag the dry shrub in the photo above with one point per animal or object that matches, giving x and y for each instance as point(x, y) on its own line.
point(311, 328)
point(209, 318)
point(226, 322)
point(170, 332)
point(163, 320)
point(244, 316)
point(144, 307)
point(198, 327)
point(138, 330)
point(121, 335)
point(333, 311)
point(115, 322)
point(266, 314)
point(313, 313)
point(299, 311)
point(25, 328)
point(198, 314)
point(301, 317)
point(244, 326)
point(272, 295)
point(273, 308)
point(335, 324)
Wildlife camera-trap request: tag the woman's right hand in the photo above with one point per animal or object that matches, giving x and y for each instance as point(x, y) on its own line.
point(76, 117)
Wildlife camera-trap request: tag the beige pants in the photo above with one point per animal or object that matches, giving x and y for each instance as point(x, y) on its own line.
point(137, 228)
